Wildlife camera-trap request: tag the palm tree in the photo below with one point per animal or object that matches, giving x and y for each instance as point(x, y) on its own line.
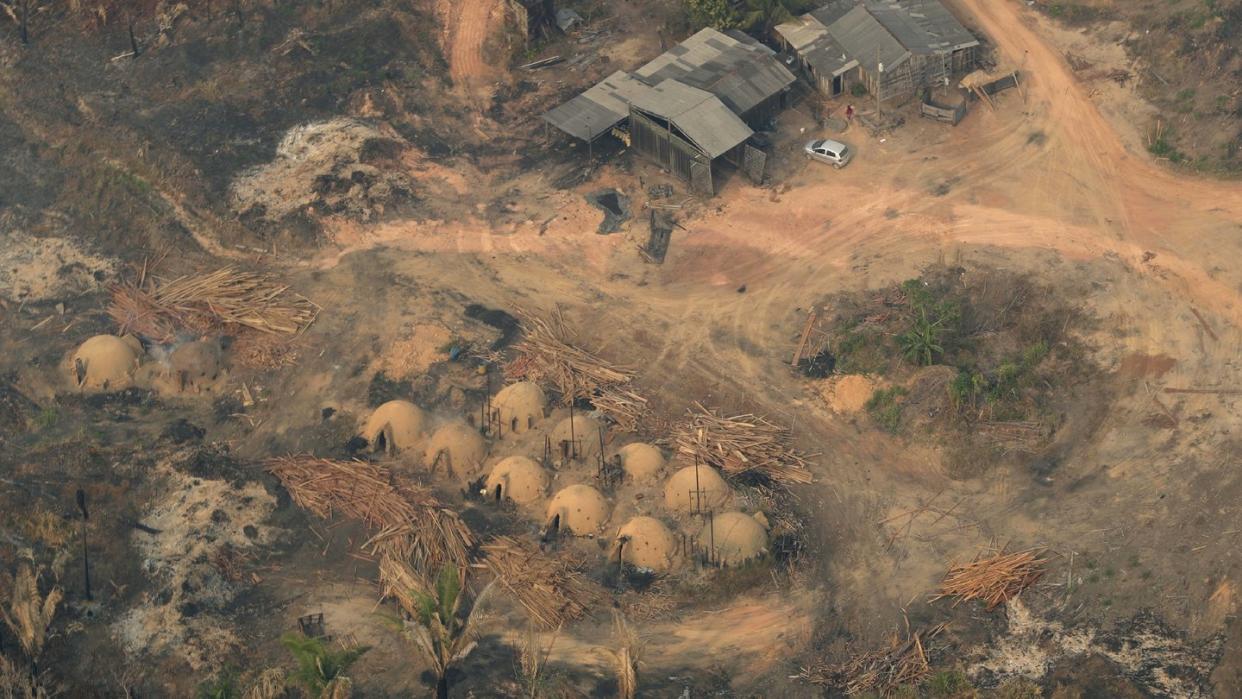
point(321, 670)
point(443, 624)
point(761, 16)
point(921, 344)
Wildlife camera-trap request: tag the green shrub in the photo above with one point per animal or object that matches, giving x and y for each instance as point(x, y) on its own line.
point(884, 407)
point(858, 90)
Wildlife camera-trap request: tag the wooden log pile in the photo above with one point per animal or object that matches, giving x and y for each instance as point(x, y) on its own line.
point(548, 354)
point(740, 444)
point(550, 591)
point(994, 579)
point(881, 672)
point(225, 297)
point(408, 522)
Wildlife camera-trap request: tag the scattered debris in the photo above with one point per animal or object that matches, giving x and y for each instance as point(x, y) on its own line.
point(616, 208)
point(993, 580)
point(741, 444)
point(902, 664)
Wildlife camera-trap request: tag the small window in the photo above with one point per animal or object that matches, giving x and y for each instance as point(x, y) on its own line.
point(830, 154)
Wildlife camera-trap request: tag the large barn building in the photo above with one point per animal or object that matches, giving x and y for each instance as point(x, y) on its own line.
point(895, 48)
point(689, 109)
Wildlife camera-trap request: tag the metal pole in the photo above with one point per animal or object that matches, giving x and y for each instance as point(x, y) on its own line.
point(698, 492)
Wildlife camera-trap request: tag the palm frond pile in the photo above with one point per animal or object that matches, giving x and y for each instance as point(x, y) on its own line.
point(741, 444)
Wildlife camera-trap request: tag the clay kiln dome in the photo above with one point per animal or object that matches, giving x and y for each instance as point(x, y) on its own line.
point(586, 433)
point(647, 543)
point(579, 509)
point(737, 538)
point(455, 447)
point(106, 362)
point(517, 478)
point(195, 362)
point(395, 426)
point(519, 406)
point(680, 489)
point(641, 462)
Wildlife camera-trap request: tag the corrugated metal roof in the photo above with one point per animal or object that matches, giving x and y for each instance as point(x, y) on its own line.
point(833, 11)
point(600, 108)
point(874, 31)
point(936, 20)
point(697, 114)
point(810, 40)
point(867, 41)
point(741, 74)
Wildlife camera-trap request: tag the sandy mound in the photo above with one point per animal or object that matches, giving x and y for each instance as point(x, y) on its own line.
point(43, 269)
point(205, 529)
point(848, 393)
point(330, 166)
point(413, 355)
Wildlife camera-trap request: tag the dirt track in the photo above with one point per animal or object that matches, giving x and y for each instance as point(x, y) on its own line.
point(470, 24)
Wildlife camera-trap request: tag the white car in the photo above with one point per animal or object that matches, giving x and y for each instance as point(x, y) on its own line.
point(835, 153)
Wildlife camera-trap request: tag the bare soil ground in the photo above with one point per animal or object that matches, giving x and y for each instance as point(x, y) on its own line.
point(1136, 499)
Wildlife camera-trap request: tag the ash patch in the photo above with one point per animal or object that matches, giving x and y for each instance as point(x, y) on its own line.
point(46, 269)
point(339, 166)
point(196, 563)
point(616, 208)
point(1144, 650)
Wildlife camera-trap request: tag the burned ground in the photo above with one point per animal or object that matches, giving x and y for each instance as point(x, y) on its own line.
point(1094, 298)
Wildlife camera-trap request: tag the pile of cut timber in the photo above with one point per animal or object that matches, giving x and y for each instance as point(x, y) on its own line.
point(994, 579)
point(551, 591)
point(408, 522)
point(224, 297)
point(547, 354)
point(741, 444)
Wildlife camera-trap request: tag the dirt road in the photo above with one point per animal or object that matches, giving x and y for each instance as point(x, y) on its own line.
point(470, 23)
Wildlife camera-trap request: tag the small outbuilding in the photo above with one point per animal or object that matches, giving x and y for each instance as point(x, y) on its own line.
point(395, 426)
point(696, 489)
point(518, 407)
point(519, 479)
point(732, 538)
point(894, 48)
point(106, 362)
point(578, 509)
point(456, 447)
point(645, 542)
point(641, 462)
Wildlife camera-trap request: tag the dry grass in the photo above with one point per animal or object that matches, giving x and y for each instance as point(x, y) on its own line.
point(741, 444)
point(550, 591)
point(882, 672)
point(257, 350)
point(992, 579)
point(16, 683)
point(27, 613)
point(408, 522)
point(548, 354)
point(204, 301)
point(270, 684)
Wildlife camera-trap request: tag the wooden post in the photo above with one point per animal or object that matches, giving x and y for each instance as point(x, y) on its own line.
point(806, 333)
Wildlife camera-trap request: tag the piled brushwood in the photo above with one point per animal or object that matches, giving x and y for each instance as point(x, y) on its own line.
point(883, 672)
point(993, 579)
point(409, 523)
point(202, 302)
point(551, 592)
point(741, 444)
point(547, 354)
